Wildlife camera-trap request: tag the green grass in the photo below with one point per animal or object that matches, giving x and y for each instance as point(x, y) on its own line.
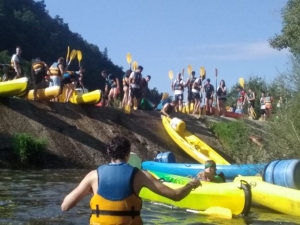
point(27, 148)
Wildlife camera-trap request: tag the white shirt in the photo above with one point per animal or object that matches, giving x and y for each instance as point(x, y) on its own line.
point(131, 77)
point(195, 90)
point(178, 92)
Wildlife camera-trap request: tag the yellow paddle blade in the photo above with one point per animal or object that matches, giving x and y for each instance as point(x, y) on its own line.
point(190, 69)
point(171, 75)
point(216, 72)
point(127, 109)
point(165, 96)
point(218, 212)
point(242, 82)
point(68, 53)
point(73, 54)
point(134, 65)
point(79, 55)
point(128, 58)
point(202, 71)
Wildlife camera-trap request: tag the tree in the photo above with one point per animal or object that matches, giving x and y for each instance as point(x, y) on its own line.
point(290, 33)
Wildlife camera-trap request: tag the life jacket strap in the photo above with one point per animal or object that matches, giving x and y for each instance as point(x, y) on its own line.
point(131, 213)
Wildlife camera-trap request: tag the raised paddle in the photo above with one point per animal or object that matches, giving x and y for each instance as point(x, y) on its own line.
point(242, 82)
point(171, 75)
point(134, 66)
point(72, 56)
point(67, 57)
point(202, 73)
point(215, 211)
point(79, 56)
point(129, 59)
point(190, 69)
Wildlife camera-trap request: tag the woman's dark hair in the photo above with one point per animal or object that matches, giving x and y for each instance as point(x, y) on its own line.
point(127, 73)
point(118, 148)
point(223, 83)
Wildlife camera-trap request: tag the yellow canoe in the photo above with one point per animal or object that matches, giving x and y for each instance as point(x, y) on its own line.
point(16, 87)
point(236, 197)
point(92, 97)
point(44, 93)
point(192, 145)
point(278, 198)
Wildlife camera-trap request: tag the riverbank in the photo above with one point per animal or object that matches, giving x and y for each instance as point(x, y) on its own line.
point(77, 134)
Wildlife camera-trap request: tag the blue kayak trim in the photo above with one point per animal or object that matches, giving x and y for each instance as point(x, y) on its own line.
point(185, 169)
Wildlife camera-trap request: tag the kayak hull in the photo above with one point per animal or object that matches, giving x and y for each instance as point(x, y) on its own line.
point(92, 97)
point(16, 87)
point(278, 198)
point(192, 145)
point(185, 169)
point(45, 93)
point(228, 195)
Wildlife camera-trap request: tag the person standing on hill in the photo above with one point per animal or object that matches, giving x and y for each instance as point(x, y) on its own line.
point(135, 80)
point(189, 84)
point(196, 94)
point(222, 96)
point(251, 103)
point(262, 106)
point(126, 97)
point(209, 92)
point(114, 88)
point(69, 80)
point(241, 98)
point(144, 85)
point(56, 70)
point(39, 71)
point(115, 188)
point(268, 105)
point(16, 62)
point(178, 88)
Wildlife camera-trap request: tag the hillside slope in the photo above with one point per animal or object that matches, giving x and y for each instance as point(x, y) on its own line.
point(77, 134)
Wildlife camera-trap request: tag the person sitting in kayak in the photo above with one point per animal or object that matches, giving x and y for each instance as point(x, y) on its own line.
point(38, 73)
point(169, 108)
point(209, 174)
point(116, 186)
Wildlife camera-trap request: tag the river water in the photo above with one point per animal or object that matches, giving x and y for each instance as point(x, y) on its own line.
point(34, 198)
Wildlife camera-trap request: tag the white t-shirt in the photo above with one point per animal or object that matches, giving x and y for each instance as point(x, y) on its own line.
point(178, 92)
point(198, 80)
point(131, 77)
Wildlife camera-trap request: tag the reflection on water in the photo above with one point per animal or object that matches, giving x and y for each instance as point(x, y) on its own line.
point(34, 198)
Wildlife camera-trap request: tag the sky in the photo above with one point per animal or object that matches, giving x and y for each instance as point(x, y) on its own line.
point(164, 35)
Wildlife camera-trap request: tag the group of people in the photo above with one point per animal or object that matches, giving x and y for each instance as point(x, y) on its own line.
point(196, 91)
point(55, 75)
point(249, 97)
point(123, 204)
point(135, 87)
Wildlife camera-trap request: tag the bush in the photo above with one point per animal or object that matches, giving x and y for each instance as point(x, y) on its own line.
point(27, 148)
point(235, 138)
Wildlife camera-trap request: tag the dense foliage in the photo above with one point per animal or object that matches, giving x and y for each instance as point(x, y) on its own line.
point(27, 24)
point(290, 32)
point(27, 148)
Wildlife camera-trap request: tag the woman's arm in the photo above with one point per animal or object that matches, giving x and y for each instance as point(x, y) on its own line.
point(144, 179)
point(79, 192)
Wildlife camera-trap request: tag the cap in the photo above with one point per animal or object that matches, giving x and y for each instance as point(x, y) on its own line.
point(193, 72)
point(208, 79)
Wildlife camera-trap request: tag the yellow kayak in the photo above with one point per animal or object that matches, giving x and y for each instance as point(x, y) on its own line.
point(44, 93)
point(16, 87)
point(191, 144)
point(92, 97)
point(278, 198)
point(236, 197)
